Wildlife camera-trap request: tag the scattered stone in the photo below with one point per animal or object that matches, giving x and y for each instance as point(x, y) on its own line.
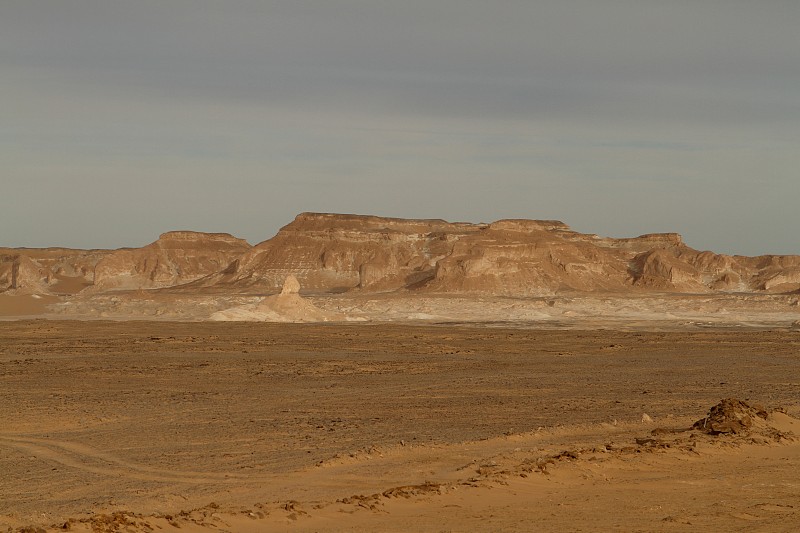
point(730, 416)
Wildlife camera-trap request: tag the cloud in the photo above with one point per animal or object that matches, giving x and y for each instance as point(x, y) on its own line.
point(576, 110)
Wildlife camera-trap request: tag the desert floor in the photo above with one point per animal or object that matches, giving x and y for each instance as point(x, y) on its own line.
point(148, 426)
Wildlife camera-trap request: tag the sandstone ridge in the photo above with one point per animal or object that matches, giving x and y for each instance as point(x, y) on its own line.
point(177, 257)
point(333, 253)
point(47, 270)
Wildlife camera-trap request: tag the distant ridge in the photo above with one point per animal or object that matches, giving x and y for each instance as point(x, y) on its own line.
point(333, 253)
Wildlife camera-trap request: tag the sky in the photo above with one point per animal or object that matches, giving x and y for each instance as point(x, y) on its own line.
point(121, 120)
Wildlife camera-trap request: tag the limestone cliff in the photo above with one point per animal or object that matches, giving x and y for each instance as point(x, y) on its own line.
point(336, 253)
point(177, 257)
point(47, 270)
point(330, 253)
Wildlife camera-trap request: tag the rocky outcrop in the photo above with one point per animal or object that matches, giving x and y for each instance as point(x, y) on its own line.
point(335, 253)
point(515, 259)
point(684, 269)
point(775, 273)
point(663, 270)
point(177, 257)
point(47, 270)
point(287, 306)
point(24, 275)
point(329, 253)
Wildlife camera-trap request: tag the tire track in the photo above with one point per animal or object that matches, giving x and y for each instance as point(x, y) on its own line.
point(88, 459)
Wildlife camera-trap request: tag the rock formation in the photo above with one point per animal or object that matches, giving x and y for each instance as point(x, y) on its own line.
point(336, 253)
point(47, 270)
point(177, 257)
point(287, 306)
point(331, 253)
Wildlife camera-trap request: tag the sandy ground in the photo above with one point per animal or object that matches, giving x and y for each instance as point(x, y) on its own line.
point(141, 426)
point(15, 306)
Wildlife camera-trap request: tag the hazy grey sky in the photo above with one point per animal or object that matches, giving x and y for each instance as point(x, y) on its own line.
point(123, 119)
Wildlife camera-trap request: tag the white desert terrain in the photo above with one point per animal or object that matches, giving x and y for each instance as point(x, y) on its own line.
point(366, 268)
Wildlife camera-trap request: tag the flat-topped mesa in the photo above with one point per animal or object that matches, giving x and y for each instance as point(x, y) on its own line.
point(332, 253)
point(645, 242)
point(198, 239)
point(331, 222)
point(529, 258)
point(526, 226)
point(177, 257)
point(512, 257)
point(670, 239)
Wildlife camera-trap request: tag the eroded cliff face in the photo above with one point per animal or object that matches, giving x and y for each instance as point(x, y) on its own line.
point(177, 257)
point(684, 269)
point(47, 270)
point(528, 258)
point(331, 253)
point(336, 253)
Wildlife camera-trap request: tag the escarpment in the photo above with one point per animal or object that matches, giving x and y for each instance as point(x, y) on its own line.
point(332, 253)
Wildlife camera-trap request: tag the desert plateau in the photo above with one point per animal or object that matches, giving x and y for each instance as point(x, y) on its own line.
point(339, 268)
point(437, 267)
point(362, 373)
